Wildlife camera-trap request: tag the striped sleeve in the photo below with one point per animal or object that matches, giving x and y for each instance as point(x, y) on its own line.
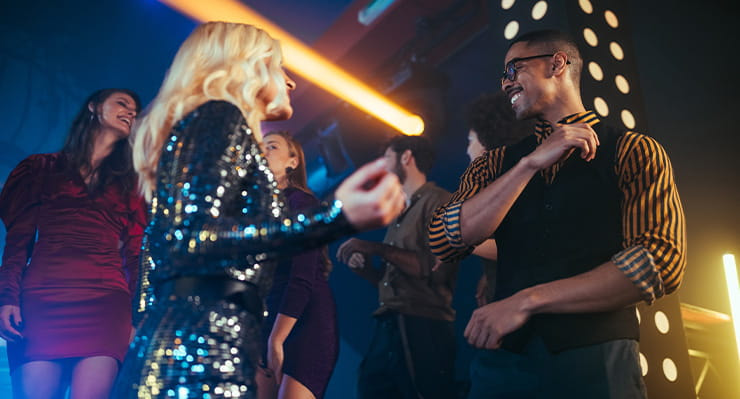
point(653, 223)
point(445, 237)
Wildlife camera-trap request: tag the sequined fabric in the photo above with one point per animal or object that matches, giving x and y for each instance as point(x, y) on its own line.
point(193, 350)
point(216, 213)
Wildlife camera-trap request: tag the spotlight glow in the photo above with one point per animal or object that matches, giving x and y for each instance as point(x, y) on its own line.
point(300, 59)
point(733, 288)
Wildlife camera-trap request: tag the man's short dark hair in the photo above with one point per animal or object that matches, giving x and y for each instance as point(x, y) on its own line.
point(491, 117)
point(421, 148)
point(552, 41)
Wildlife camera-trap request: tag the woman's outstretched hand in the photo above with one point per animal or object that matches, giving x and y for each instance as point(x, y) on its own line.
point(372, 196)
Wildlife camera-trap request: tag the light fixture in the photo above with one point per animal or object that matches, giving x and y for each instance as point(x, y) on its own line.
point(590, 36)
point(595, 71)
point(372, 11)
point(628, 119)
point(586, 6)
point(601, 106)
point(733, 289)
point(300, 59)
point(616, 50)
point(506, 4)
point(661, 322)
point(670, 371)
point(611, 19)
point(511, 29)
point(539, 10)
point(622, 84)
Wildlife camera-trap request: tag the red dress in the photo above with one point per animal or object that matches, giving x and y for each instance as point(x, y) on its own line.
point(70, 262)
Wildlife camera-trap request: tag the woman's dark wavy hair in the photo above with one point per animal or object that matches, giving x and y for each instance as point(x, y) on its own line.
point(493, 120)
point(117, 167)
point(297, 178)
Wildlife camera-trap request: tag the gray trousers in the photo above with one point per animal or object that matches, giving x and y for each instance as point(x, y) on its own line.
point(610, 370)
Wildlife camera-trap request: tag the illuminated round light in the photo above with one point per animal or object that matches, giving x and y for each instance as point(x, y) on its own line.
point(600, 106)
point(586, 6)
point(628, 119)
point(539, 10)
point(622, 84)
point(506, 4)
point(595, 71)
point(611, 19)
point(661, 321)
point(590, 37)
point(511, 29)
point(669, 369)
point(616, 50)
point(414, 126)
point(643, 364)
point(637, 312)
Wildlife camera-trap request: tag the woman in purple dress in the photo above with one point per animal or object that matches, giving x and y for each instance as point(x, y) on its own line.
point(301, 326)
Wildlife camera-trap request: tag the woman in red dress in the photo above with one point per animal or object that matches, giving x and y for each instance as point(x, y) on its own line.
point(74, 223)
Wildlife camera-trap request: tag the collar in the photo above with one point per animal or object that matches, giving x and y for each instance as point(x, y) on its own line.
point(422, 190)
point(414, 198)
point(543, 128)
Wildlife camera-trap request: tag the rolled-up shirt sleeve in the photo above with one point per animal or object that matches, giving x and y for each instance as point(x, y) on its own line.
point(445, 235)
point(653, 222)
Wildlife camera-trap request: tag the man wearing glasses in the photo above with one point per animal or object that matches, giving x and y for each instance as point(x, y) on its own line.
point(588, 222)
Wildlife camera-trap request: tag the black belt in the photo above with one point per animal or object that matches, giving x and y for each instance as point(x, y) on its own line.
point(214, 288)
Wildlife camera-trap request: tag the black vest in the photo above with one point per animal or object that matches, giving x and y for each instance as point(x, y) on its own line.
point(559, 230)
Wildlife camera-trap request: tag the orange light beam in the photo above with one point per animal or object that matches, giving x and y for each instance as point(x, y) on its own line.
point(306, 62)
point(733, 291)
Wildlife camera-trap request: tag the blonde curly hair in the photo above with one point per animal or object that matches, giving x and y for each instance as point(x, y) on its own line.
point(219, 61)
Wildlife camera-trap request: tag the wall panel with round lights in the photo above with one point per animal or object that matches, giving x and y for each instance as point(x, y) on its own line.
point(610, 84)
point(611, 87)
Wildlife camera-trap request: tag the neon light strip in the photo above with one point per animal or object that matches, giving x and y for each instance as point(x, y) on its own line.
point(733, 288)
point(305, 62)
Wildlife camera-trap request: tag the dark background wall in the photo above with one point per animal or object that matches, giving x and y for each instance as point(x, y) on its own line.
point(52, 54)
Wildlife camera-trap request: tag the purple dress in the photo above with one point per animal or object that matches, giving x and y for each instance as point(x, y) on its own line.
point(300, 290)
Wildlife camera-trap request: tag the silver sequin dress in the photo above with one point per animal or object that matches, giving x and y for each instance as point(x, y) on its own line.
point(217, 225)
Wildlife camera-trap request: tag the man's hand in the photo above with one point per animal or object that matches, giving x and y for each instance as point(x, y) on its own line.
point(561, 143)
point(353, 246)
point(490, 323)
point(10, 321)
point(357, 261)
point(372, 196)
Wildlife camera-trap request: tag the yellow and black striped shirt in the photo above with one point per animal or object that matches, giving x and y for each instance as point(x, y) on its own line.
point(653, 223)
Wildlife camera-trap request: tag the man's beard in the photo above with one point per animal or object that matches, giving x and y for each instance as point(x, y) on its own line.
point(398, 170)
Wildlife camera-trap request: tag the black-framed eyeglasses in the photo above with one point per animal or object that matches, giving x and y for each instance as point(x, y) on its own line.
point(510, 68)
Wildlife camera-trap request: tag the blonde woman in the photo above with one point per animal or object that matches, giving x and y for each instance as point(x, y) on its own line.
point(217, 221)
